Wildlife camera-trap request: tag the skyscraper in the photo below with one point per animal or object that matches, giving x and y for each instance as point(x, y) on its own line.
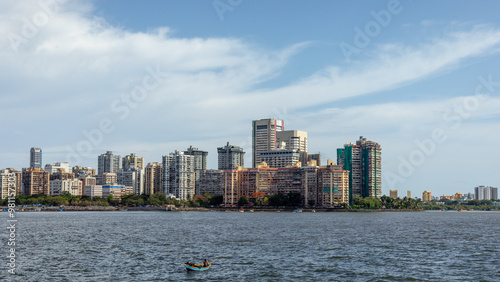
point(363, 161)
point(294, 140)
point(133, 161)
point(200, 158)
point(264, 137)
point(230, 157)
point(108, 163)
point(36, 157)
point(153, 178)
point(178, 175)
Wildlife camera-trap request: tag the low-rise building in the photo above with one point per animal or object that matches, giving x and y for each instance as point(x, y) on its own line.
point(73, 186)
point(92, 191)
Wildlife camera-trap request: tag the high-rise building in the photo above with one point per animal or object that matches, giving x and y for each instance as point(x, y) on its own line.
point(153, 178)
point(108, 163)
point(200, 158)
point(133, 161)
point(408, 194)
point(52, 168)
point(35, 181)
point(132, 176)
point(36, 157)
point(10, 178)
point(295, 140)
point(264, 137)
point(485, 193)
point(426, 196)
point(230, 157)
point(393, 194)
point(363, 160)
point(178, 175)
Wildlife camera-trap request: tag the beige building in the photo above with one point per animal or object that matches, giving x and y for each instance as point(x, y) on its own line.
point(393, 194)
point(133, 161)
point(426, 196)
point(264, 137)
point(81, 170)
point(280, 158)
point(295, 140)
point(106, 178)
point(152, 178)
point(10, 177)
point(73, 186)
point(35, 181)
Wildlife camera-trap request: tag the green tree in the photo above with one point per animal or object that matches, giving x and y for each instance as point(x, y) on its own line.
point(242, 201)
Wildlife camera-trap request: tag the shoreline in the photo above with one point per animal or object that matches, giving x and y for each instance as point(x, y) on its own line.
point(218, 209)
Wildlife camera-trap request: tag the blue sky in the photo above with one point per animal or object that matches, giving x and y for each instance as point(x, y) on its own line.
point(420, 78)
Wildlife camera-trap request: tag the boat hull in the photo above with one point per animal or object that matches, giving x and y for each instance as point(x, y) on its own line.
point(198, 267)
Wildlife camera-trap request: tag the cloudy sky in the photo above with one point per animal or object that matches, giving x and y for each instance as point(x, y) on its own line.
point(79, 78)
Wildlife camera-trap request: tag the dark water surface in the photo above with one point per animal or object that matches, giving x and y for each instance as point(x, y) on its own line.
point(152, 246)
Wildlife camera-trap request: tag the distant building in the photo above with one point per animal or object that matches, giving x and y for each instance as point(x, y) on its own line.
point(294, 140)
point(199, 158)
point(52, 168)
point(264, 137)
point(314, 157)
point(115, 190)
point(108, 162)
point(132, 176)
point(280, 158)
point(80, 170)
point(106, 178)
point(178, 175)
point(36, 157)
point(153, 178)
point(393, 194)
point(87, 181)
point(132, 160)
point(230, 157)
point(457, 196)
point(485, 193)
point(73, 186)
point(324, 186)
point(35, 181)
point(10, 178)
point(363, 161)
point(210, 181)
point(426, 196)
point(61, 174)
point(408, 194)
point(92, 191)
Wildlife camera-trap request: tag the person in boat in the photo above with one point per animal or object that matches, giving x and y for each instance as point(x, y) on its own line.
point(205, 263)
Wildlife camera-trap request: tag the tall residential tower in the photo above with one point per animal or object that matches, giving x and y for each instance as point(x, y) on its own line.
point(363, 161)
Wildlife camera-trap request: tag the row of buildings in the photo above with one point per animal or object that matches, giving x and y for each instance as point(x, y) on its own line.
point(280, 164)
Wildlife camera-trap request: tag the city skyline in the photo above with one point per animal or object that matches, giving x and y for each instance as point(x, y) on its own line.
point(423, 84)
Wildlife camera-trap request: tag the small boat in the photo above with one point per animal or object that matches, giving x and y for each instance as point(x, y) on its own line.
point(299, 210)
point(197, 267)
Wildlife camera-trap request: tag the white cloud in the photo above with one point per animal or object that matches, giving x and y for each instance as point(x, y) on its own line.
point(65, 78)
